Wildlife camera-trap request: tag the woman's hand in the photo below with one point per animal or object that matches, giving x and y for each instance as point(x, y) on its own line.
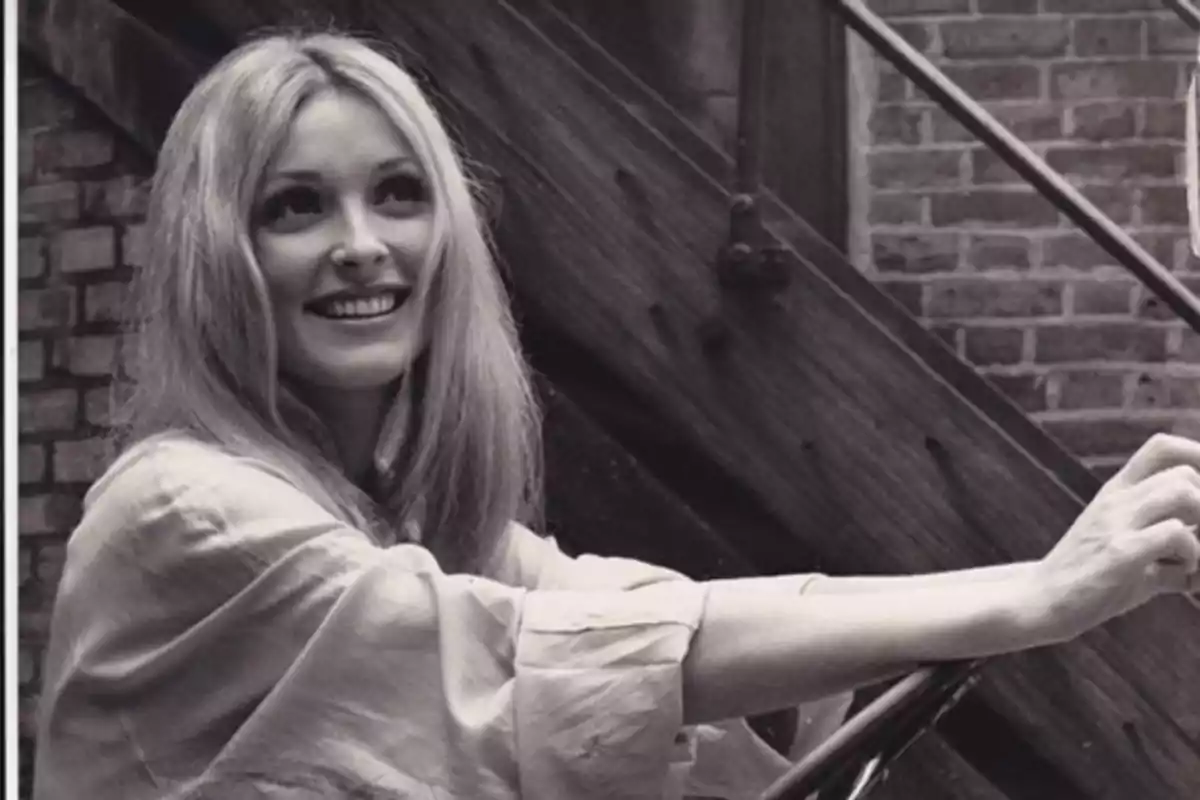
point(1135, 541)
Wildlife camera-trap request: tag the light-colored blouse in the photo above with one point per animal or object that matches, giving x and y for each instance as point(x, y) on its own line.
point(218, 634)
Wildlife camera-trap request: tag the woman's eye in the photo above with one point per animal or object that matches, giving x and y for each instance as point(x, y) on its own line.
point(399, 193)
point(291, 206)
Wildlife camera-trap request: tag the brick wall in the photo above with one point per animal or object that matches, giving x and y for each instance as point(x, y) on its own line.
point(82, 197)
point(1095, 87)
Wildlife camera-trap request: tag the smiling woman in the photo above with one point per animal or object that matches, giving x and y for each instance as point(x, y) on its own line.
point(307, 574)
point(345, 229)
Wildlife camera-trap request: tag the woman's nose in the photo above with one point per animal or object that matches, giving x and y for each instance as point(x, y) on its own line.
point(360, 245)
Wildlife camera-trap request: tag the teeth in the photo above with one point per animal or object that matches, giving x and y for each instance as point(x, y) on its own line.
point(363, 307)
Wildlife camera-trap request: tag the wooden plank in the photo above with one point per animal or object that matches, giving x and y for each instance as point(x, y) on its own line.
point(805, 115)
point(822, 409)
point(804, 109)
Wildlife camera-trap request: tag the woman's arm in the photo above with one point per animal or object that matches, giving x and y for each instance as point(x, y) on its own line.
point(1135, 540)
point(859, 584)
point(754, 652)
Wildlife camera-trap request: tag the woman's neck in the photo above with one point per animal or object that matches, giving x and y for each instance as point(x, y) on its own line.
point(353, 418)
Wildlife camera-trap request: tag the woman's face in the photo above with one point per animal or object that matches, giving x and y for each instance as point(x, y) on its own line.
point(341, 227)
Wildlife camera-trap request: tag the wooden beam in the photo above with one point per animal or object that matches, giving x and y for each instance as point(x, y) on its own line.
point(136, 76)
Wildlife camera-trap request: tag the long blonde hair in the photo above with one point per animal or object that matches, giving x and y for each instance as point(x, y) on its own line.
point(468, 462)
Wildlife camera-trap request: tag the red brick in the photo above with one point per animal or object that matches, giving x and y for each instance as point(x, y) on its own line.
point(1152, 390)
point(1183, 391)
point(916, 253)
point(44, 514)
point(31, 463)
point(31, 361)
point(1107, 37)
point(1090, 389)
point(1120, 436)
point(97, 406)
point(1170, 36)
point(31, 257)
point(896, 125)
point(1101, 341)
point(104, 302)
point(992, 346)
point(1102, 297)
point(133, 246)
point(73, 149)
point(50, 202)
point(81, 461)
point(1030, 122)
point(88, 356)
point(895, 209)
point(1164, 120)
point(916, 169)
point(974, 298)
point(1027, 391)
point(999, 252)
point(1074, 250)
point(55, 410)
point(1119, 80)
point(1102, 122)
point(46, 309)
point(1164, 205)
point(988, 168)
point(899, 8)
point(997, 81)
point(1005, 38)
point(84, 250)
point(1188, 348)
point(1122, 163)
point(1020, 208)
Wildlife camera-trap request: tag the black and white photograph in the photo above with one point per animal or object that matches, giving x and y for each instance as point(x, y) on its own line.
point(602, 399)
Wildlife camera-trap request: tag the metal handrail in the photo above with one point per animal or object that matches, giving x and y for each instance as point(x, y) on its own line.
point(1069, 200)
point(1186, 12)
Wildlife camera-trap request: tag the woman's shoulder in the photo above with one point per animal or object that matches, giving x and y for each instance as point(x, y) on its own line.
point(169, 467)
point(174, 489)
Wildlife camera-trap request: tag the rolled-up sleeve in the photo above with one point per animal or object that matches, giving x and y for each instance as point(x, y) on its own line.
point(725, 759)
point(219, 635)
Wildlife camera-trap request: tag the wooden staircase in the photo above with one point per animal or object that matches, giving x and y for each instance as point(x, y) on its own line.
point(723, 430)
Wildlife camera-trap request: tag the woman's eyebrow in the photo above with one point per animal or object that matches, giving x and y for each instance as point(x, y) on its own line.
point(396, 163)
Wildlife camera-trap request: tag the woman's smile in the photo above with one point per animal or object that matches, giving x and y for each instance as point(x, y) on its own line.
point(359, 306)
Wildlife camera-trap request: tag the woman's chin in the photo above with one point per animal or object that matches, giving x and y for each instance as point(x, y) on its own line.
point(355, 374)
